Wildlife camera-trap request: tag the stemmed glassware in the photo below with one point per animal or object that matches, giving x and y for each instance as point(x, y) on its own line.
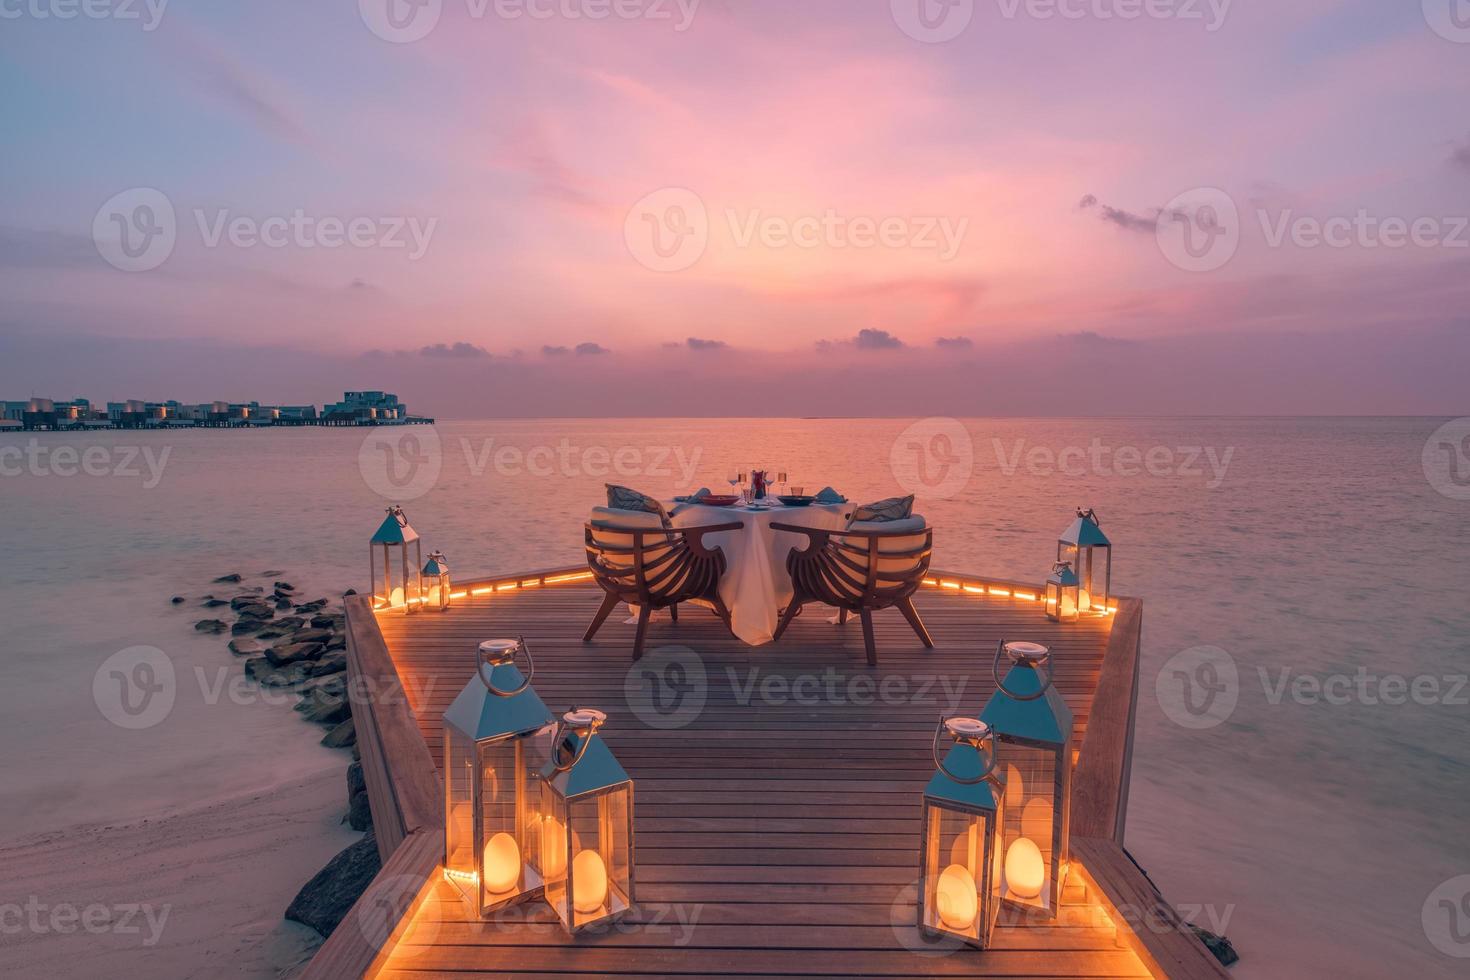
point(735, 479)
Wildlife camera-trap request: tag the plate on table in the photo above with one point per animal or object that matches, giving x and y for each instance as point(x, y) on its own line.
point(794, 501)
point(719, 500)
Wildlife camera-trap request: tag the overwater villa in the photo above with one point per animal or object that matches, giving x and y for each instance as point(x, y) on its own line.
point(750, 737)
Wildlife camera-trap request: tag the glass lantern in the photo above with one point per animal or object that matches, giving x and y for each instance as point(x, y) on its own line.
point(1063, 594)
point(959, 864)
point(393, 538)
point(492, 756)
point(586, 820)
point(1091, 553)
point(436, 582)
point(1032, 726)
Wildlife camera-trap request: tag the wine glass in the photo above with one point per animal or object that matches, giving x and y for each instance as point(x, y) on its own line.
point(781, 479)
point(735, 479)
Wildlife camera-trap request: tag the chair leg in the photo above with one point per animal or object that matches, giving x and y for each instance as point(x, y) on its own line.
point(609, 603)
point(906, 606)
point(867, 617)
point(841, 617)
point(643, 613)
point(674, 612)
point(721, 611)
point(792, 608)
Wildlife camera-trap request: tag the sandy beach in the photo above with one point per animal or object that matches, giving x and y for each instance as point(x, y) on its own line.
point(197, 893)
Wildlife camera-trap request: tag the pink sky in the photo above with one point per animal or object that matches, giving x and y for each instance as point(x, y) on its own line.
point(1017, 170)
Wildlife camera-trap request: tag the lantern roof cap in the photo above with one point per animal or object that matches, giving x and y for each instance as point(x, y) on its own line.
point(1063, 573)
point(597, 769)
point(437, 564)
point(480, 714)
point(395, 529)
point(1034, 711)
point(966, 762)
point(1084, 532)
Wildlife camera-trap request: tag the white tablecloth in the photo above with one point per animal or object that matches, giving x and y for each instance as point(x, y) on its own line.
point(755, 586)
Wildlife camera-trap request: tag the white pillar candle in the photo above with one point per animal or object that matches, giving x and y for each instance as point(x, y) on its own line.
point(589, 882)
point(956, 898)
point(502, 863)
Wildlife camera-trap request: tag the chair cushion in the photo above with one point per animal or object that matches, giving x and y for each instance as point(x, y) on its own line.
point(890, 509)
point(625, 498)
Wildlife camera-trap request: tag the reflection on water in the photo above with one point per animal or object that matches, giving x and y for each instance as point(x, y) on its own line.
point(1317, 812)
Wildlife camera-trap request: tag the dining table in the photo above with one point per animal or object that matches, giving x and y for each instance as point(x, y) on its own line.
point(755, 586)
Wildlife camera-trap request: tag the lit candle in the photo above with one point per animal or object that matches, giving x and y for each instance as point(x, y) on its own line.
point(1084, 600)
point(589, 881)
point(502, 863)
point(956, 899)
point(1025, 870)
point(1069, 604)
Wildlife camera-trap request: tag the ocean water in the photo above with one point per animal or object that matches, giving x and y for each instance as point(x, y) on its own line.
point(1304, 575)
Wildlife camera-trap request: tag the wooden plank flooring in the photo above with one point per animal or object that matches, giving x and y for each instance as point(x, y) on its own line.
point(776, 821)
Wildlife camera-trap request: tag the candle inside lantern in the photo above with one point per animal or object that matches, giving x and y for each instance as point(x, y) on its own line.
point(502, 863)
point(1084, 600)
point(396, 599)
point(589, 882)
point(956, 898)
point(1025, 870)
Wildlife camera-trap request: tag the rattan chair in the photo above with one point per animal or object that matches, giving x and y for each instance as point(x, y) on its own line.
point(654, 568)
point(862, 570)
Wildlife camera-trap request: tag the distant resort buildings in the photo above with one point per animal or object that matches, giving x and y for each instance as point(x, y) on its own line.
point(355, 408)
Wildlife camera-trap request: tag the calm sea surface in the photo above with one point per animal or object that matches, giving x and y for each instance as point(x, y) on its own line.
point(1314, 819)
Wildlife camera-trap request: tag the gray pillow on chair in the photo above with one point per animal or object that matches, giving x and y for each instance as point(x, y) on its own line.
point(891, 509)
point(623, 498)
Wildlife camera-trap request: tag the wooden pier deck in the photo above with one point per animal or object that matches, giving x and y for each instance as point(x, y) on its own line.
point(776, 822)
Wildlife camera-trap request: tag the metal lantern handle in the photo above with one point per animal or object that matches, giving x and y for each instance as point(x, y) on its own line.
point(1050, 674)
point(1089, 515)
point(521, 644)
point(939, 763)
point(561, 728)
